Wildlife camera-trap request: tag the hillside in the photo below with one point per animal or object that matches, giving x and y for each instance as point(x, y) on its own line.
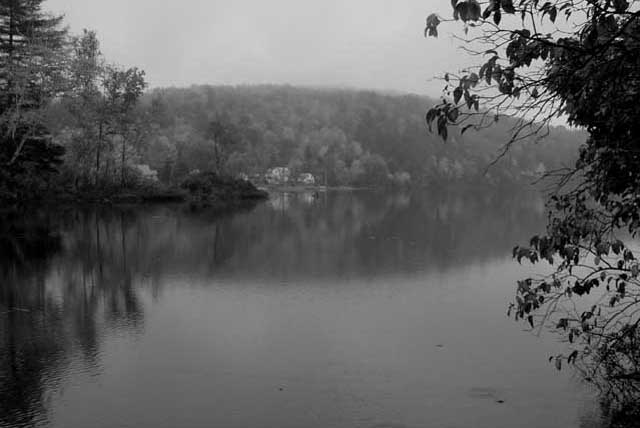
point(342, 137)
point(350, 137)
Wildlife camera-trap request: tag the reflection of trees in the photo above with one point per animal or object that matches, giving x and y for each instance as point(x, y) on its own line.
point(27, 348)
point(369, 233)
point(79, 273)
point(55, 288)
point(325, 235)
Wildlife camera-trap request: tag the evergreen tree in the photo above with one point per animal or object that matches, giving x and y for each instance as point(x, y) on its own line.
point(32, 45)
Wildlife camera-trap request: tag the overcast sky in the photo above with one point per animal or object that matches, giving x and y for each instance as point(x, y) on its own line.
point(375, 44)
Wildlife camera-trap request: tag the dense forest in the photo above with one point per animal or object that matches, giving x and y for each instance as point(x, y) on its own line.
point(342, 137)
point(75, 124)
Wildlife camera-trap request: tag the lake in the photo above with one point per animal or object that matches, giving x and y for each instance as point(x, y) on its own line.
point(345, 309)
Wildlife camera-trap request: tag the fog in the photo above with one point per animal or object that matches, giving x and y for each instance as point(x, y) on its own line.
point(377, 44)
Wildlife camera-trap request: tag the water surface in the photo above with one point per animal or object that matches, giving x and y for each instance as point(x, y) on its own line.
point(338, 310)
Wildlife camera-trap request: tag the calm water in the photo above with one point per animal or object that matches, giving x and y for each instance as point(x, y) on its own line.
point(347, 310)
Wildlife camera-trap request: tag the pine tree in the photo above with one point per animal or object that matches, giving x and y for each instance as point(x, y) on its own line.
point(32, 44)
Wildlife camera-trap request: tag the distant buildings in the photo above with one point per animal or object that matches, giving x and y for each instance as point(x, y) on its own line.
point(284, 176)
point(146, 173)
point(278, 175)
point(307, 179)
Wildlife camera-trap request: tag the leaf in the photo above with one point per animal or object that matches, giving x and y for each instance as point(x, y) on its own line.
point(431, 115)
point(563, 324)
point(530, 319)
point(497, 17)
point(461, 11)
point(465, 129)
point(442, 127)
point(559, 363)
point(473, 79)
point(468, 99)
point(622, 288)
point(602, 249)
point(433, 21)
point(617, 247)
point(453, 115)
point(457, 94)
point(507, 6)
point(620, 5)
point(487, 11)
point(573, 357)
point(475, 11)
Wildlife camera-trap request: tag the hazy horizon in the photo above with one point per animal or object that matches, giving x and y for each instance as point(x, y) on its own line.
point(372, 44)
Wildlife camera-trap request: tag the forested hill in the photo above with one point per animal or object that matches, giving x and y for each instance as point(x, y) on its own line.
point(350, 137)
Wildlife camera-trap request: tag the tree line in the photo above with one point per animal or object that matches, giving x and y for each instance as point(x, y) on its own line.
point(341, 136)
point(44, 68)
point(73, 123)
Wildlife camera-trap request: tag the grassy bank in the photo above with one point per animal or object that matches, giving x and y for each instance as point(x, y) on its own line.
point(203, 189)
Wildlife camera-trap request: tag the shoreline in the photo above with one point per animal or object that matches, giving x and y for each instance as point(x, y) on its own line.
point(303, 188)
point(169, 197)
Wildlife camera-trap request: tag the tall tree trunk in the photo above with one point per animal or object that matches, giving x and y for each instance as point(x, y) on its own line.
point(98, 247)
point(10, 60)
point(217, 155)
point(122, 178)
point(18, 149)
point(98, 149)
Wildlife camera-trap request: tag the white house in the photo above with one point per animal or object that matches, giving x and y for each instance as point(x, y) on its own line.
point(147, 173)
point(280, 175)
point(307, 179)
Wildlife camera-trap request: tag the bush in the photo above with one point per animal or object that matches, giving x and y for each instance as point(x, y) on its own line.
point(209, 186)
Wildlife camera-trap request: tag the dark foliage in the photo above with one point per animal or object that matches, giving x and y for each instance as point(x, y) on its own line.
point(27, 176)
point(578, 60)
point(210, 187)
point(31, 43)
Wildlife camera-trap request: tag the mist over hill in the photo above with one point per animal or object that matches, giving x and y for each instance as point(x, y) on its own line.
point(343, 136)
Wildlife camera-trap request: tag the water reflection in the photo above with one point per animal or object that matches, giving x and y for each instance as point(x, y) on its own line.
point(348, 234)
point(59, 292)
point(74, 281)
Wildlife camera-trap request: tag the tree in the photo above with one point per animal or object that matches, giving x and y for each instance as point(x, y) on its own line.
point(86, 103)
point(223, 135)
point(123, 88)
point(31, 73)
point(102, 99)
point(578, 60)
